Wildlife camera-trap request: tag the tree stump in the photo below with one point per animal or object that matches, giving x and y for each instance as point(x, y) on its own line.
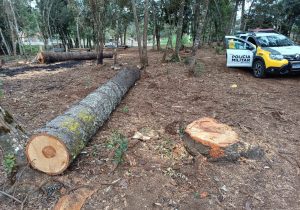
point(217, 141)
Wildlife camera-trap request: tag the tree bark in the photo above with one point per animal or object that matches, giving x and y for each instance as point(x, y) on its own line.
point(233, 18)
point(77, 31)
point(52, 57)
point(137, 28)
point(5, 43)
point(154, 24)
point(145, 34)
point(54, 147)
point(242, 15)
point(12, 140)
point(199, 26)
point(125, 33)
point(157, 34)
point(176, 56)
point(16, 28)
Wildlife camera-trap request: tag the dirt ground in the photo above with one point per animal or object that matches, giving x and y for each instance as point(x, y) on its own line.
point(158, 173)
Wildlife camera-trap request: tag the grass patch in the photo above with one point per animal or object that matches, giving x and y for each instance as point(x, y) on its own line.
point(1, 89)
point(125, 109)
point(119, 143)
point(220, 50)
point(9, 163)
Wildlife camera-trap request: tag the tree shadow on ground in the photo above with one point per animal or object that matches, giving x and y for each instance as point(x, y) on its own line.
point(50, 67)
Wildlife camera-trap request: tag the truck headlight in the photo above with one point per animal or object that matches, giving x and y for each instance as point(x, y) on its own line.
point(276, 56)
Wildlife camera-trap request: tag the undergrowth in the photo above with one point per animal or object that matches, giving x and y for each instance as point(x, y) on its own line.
point(119, 143)
point(220, 50)
point(1, 88)
point(9, 163)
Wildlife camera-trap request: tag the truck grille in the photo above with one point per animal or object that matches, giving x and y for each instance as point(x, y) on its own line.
point(292, 57)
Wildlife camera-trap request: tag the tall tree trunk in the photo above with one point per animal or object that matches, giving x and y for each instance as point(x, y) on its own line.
point(125, 32)
point(100, 49)
point(249, 12)
point(196, 21)
point(157, 35)
point(145, 34)
point(242, 15)
point(16, 27)
point(5, 43)
point(154, 25)
point(13, 38)
point(169, 44)
point(137, 28)
point(77, 30)
point(233, 18)
point(199, 27)
point(176, 56)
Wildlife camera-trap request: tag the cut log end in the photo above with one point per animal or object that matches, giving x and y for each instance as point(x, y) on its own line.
point(40, 57)
point(47, 154)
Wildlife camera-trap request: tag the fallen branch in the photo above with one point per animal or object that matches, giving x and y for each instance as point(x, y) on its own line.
point(10, 196)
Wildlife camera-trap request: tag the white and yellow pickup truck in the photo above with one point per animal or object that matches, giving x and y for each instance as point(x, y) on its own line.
point(263, 52)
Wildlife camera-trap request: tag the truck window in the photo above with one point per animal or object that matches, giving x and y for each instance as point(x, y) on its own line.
point(251, 40)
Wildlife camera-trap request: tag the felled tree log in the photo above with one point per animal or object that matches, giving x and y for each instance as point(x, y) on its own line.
point(55, 146)
point(80, 50)
point(52, 57)
point(217, 141)
point(12, 141)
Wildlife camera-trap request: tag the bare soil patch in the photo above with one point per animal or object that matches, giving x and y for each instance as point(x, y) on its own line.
point(158, 173)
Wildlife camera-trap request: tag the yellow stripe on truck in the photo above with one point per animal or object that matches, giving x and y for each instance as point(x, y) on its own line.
point(268, 61)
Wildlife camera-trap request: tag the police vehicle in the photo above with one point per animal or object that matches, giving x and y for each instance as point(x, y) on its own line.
point(264, 52)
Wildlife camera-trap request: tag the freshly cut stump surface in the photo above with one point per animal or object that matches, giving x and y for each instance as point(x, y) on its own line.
point(217, 141)
point(54, 147)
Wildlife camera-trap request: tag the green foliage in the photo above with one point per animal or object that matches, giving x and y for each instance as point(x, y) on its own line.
point(119, 143)
point(196, 195)
point(125, 109)
point(181, 131)
point(31, 50)
point(220, 50)
point(186, 40)
point(1, 89)
point(9, 163)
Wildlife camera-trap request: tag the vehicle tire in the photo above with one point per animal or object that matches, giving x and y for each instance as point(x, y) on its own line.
point(259, 69)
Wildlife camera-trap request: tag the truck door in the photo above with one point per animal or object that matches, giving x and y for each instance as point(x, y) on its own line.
point(239, 53)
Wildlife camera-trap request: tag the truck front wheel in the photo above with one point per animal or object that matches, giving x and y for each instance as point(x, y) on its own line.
point(259, 69)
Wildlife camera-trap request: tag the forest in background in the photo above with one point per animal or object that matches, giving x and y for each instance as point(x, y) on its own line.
point(92, 23)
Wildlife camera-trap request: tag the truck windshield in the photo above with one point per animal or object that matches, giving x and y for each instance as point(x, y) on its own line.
point(274, 41)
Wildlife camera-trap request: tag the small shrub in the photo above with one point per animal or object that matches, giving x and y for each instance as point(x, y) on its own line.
point(119, 143)
point(187, 60)
point(125, 109)
point(219, 50)
point(181, 131)
point(9, 163)
point(186, 40)
point(1, 89)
